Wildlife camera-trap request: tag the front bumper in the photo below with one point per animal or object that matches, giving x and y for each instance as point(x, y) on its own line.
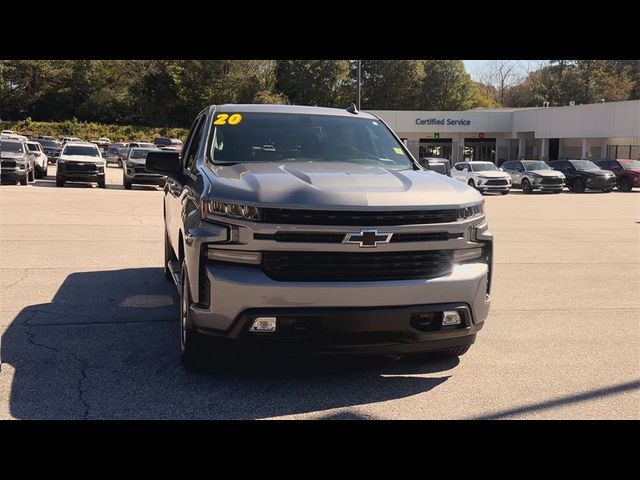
point(493, 188)
point(601, 182)
point(144, 178)
point(73, 175)
point(11, 173)
point(353, 316)
point(382, 330)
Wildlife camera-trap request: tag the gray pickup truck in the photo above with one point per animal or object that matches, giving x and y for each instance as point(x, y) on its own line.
point(294, 229)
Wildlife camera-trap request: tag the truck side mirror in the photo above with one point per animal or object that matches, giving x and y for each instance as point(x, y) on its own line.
point(165, 163)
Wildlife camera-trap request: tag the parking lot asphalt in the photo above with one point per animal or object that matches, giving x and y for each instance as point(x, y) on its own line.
point(89, 324)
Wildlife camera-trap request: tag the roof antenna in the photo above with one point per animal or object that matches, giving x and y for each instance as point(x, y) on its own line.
point(353, 109)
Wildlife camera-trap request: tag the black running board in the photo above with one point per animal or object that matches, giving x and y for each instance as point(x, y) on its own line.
point(174, 268)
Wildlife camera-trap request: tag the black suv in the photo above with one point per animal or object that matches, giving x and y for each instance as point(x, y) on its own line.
point(51, 149)
point(16, 162)
point(584, 174)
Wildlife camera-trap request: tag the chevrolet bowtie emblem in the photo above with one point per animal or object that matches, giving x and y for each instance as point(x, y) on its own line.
point(367, 238)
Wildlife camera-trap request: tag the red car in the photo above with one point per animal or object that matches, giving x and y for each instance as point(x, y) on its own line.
point(627, 172)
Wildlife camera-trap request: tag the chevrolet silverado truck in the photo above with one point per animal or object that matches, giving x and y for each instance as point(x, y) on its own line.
point(302, 230)
point(80, 162)
point(16, 162)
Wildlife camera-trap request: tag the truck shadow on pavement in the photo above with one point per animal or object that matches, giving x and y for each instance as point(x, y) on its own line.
point(106, 347)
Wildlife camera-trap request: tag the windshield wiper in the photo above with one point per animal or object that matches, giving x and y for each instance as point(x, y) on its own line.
point(225, 163)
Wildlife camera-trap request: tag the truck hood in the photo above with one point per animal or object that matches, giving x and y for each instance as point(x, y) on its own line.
point(546, 173)
point(493, 174)
point(12, 156)
point(335, 184)
point(81, 158)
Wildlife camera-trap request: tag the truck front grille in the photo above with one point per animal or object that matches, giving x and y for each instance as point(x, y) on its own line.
point(499, 181)
point(357, 218)
point(87, 167)
point(8, 163)
point(355, 266)
point(316, 237)
point(552, 181)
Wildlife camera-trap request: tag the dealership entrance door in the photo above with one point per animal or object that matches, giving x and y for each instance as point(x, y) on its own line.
point(435, 147)
point(479, 150)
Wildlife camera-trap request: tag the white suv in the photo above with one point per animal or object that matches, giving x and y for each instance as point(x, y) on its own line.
point(483, 176)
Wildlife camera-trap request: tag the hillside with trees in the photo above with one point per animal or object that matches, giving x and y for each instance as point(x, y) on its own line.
point(169, 93)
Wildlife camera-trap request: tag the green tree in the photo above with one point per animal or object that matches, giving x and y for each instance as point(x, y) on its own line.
point(391, 84)
point(446, 86)
point(325, 83)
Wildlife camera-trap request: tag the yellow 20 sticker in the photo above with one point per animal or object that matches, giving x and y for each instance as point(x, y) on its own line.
point(398, 150)
point(226, 119)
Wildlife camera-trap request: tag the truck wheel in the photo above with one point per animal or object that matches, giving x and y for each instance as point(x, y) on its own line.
point(578, 186)
point(526, 186)
point(102, 183)
point(25, 180)
point(471, 183)
point(191, 342)
point(127, 185)
point(59, 182)
point(46, 170)
point(625, 184)
point(607, 190)
point(31, 176)
point(38, 173)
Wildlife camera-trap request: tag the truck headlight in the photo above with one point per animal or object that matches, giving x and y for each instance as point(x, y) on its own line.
point(471, 211)
point(231, 210)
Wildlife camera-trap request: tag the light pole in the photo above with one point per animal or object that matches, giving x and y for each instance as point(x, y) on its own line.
point(359, 84)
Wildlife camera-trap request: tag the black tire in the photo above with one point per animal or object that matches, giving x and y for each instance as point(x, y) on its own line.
point(192, 343)
point(102, 183)
point(526, 186)
point(607, 190)
point(38, 173)
point(59, 182)
point(505, 192)
point(31, 176)
point(25, 180)
point(46, 170)
point(578, 186)
point(167, 257)
point(471, 183)
point(625, 184)
point(127, 185)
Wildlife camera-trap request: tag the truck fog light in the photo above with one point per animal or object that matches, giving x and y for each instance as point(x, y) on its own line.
point(263, 324)
point(451, 318)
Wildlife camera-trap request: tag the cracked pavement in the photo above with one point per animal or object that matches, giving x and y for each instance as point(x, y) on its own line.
point(89, 324)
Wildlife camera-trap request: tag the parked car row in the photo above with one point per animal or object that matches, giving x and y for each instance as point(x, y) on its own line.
point(114, 153)
point(23, 161)
point(553, 176)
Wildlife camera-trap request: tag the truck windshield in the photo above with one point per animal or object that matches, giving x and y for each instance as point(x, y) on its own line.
point(15, 147)
point(631, 165)
point(140, 153)
point(277, 137)
point(533, 166)
point(584, 165)
point(80, 150)
point(483, 167)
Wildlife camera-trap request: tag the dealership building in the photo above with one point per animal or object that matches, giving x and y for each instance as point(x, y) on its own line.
point(595, 131)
